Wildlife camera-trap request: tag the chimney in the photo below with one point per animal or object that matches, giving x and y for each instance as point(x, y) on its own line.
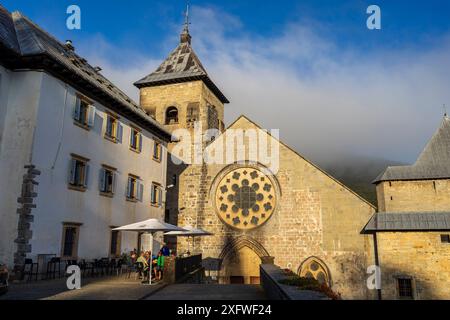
point(69, 45)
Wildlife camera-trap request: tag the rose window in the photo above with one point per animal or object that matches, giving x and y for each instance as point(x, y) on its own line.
point(245, 198)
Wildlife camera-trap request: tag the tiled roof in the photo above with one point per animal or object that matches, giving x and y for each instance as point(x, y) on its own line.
point(433, 163)
point(32, 41)
point(408, 221)
point(181, 65)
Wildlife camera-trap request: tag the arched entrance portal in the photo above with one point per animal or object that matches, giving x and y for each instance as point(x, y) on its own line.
point(241, 259)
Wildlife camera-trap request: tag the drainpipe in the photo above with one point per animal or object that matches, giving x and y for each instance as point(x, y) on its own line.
point(377, 261)
point(62, 130)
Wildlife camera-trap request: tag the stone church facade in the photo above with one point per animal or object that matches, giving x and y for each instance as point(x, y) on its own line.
point(299, 216)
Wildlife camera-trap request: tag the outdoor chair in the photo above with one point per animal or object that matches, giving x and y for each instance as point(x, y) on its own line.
point(89, 268)
point(53, 267)
point(30, 269)
point(112, 266)
point(138, 270)
point(104, 266)
point(121, 266)
point(70, 263)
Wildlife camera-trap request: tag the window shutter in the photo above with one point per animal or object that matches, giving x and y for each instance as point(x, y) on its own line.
point(77, 109)
point(119, 132)
point(139, 136)
point(132, 138)
point(139, 190)
point(153, 195)
point(86, 175)
point(91, 116)
point(109, 130)
point(159, 196)
point(102, 183)
point(73, 169)
point(129, 186)
point(114, 179)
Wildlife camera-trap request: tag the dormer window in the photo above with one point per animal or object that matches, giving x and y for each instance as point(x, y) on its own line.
point(172, 115)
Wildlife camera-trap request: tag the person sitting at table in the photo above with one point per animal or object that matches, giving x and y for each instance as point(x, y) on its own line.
point(134, 256)
point(155, 266)
point(144, 263)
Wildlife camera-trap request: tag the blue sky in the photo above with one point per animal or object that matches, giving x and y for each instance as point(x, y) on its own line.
point(144, 24)
point(310, 68)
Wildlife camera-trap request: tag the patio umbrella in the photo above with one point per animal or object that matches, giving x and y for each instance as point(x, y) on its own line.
point(190, 231)
point(150, 226)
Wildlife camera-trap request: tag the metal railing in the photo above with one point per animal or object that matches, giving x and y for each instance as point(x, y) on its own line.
point(184, 266)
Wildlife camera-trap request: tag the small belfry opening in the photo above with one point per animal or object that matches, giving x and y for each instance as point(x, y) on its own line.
point(171, 115)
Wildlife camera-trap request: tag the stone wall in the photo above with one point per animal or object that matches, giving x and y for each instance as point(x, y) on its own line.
point(274, 290)
point(156, 100)
point(421, 195)
point(419, 255)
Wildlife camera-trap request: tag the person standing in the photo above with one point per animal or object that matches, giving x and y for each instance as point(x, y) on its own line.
point(165, 250)
point(160, 265)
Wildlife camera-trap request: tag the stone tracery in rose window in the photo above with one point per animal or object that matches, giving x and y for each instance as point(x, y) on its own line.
point(245, 198)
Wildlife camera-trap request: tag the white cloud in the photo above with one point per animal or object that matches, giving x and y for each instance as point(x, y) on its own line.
point(324, 101)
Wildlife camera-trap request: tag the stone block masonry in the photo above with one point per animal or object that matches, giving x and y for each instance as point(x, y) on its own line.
point(24, 230)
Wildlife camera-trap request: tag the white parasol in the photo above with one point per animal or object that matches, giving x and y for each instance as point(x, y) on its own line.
point(150, 226)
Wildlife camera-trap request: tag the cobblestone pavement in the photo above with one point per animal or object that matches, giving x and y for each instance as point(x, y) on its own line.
point(210, 292)
point(111, 288)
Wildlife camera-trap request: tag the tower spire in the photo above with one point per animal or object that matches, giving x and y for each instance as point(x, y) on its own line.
point(185, 36)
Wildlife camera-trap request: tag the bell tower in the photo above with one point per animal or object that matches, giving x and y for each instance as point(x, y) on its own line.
point(180, 92)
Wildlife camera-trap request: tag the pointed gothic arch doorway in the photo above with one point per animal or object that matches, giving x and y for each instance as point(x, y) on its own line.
point(241, 260)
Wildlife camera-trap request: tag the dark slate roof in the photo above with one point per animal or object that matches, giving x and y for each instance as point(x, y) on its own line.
point(433, 162)
point(8, 37)
point(181, 65)
point(408, 221)
point(32, 42)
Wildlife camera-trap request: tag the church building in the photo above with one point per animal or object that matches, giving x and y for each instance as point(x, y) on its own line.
point(79, 158)
point(297, 216)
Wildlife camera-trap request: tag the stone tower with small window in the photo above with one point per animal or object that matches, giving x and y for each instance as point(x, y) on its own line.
point(180, 92)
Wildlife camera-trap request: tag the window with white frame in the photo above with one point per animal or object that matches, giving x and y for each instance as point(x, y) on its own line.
point(135, 140)
point(157, 151)
point(135, 188)
point(156, 195)
point(114, 129)
point(84, 113)
point(79, 172)
point(107, 180)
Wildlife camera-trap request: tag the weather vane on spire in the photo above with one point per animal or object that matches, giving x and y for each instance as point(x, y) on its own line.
point(185, 36)
point(186, 17)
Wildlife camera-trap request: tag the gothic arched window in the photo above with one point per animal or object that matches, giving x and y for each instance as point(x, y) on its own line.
point(172, 115)
point(315, 268)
